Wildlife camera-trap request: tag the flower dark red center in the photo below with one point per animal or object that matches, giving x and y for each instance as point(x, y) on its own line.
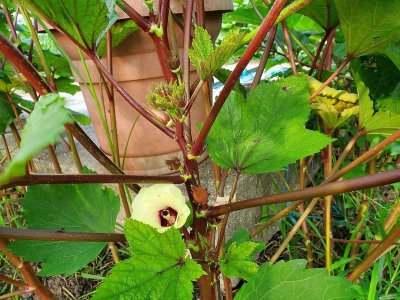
point(167, 216)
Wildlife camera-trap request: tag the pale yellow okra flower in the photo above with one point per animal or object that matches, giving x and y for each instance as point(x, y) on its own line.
point(160, 206)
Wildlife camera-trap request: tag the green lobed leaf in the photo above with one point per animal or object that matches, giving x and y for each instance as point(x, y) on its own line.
point(378, 73)
point(266, 132)
point(323, 12)
point(67, 85)
point(87, 21)
point(205, 58)
point(369, 26)
point(43, 127)
point(242, 236)
point(291, 280)
point(381, 122)
point(159, 269)
point(77, 208)
point(237, 261)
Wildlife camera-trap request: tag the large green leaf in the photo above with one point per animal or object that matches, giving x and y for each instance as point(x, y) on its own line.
point(378, 73)
point(160, 267)
point(43, 127)
point(119, 32)
point(322, 12)
point(291, 280)
point(369, 26)
point(77, 208)
point(205, 58)
point(238, 261)
point(266, 132)
point(87, 21)
point(382, 122)
point(6, 113)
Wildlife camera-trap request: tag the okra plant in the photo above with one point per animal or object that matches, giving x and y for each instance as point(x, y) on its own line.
point(334, 115)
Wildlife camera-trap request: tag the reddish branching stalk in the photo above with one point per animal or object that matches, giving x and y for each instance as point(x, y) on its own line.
point(264, 58)
point(27, 273)
point(241, 65)
point(161, 44)
point(134, 15)
point(187, 40)
point(164, 12)
point(336, 188)
point(318, 54)
point(34, 179)
point(46, 235)
point(331, 78)
point(15, 57)
point(292, 59)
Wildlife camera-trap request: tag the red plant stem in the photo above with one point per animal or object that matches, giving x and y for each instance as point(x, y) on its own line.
point(22, 64)
point(164, 12)
point(36, 81)
point(336, 188)
point(330, 38)
point(375, 254)
point(319, 50)
point(221, 236)
point(330, 79)
point(200, 13)
point(193, 97)
point(34, 179)
point(62, 236)
point(187, 38)
point(28, 273)
point(134, 15)
point(127, 96)
point(96, 152)
point(241, 65)
point(161, 44)
point(292, 59)
point(264, 58)
point(10, 22)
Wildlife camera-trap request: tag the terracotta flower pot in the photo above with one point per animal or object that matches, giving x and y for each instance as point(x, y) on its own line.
point(136, 67)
